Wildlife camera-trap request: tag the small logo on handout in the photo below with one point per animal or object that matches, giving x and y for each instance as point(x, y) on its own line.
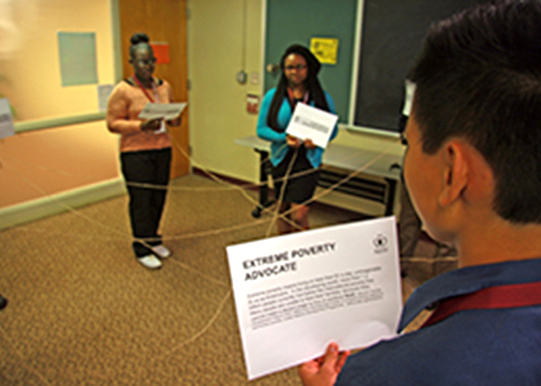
point(380, 242)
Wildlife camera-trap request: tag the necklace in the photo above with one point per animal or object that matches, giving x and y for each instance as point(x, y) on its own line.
point(155, 91)
point(292, 100)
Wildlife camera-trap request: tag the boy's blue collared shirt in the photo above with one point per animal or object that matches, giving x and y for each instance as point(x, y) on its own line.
point(473, 347)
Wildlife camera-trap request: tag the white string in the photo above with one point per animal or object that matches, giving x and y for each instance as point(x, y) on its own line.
point(205, 328)
point(277, 216)
point(223, 185)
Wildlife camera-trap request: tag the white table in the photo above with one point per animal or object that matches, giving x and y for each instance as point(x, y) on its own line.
point(387, 166)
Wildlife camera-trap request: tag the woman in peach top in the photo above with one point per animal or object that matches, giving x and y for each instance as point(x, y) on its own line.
point(145, 149)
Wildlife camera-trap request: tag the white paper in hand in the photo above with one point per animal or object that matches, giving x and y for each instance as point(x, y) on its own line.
point(165, 111)
point(296, 293)
point(312, 123)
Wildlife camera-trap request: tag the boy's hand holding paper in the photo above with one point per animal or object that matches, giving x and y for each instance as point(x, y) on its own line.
point(296, 293)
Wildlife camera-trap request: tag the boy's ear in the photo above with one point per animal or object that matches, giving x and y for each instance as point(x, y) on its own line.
point(456, 172)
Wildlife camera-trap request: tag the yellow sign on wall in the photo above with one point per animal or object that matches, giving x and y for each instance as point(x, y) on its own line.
point(325, 49)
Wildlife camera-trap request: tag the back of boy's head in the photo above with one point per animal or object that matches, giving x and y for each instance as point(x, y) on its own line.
point(479, 78)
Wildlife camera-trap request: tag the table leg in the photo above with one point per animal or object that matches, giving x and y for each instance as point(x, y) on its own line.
point(391, 190)
point(264, 172)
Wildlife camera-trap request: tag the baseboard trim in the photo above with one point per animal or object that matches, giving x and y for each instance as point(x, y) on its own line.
point(58, 203)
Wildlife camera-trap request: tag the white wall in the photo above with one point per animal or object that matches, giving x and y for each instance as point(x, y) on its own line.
point(29, 57)
point(37, 164)
point(217, 101)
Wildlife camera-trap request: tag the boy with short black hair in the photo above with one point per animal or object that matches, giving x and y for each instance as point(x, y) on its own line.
point(473, 168)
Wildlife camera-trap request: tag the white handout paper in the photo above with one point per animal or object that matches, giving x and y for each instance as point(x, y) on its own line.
point(296, 293)
point(165, 111)
point(313, 123)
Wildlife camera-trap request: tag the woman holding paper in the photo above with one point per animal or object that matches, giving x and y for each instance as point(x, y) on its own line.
point(145, 149)
point(295, 162)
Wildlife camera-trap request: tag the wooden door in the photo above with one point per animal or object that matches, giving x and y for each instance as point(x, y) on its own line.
point(164, 21)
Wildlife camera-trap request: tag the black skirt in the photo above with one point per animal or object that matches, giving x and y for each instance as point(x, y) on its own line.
point(302, 178)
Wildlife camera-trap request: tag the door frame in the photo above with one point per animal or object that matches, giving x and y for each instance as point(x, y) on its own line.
point(180, 164)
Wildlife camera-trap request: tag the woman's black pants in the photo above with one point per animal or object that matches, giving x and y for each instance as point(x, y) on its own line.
point(149, 167)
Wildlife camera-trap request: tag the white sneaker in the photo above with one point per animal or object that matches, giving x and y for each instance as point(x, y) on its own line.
point(150, 261)
point(161, 251)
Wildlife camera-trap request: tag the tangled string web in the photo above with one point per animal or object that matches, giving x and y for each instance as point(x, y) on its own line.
point(271, 216)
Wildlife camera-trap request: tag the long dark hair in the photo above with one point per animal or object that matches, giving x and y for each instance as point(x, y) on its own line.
point(313, 86)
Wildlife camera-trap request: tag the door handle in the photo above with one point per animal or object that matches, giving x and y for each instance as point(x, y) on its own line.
point(272, 68)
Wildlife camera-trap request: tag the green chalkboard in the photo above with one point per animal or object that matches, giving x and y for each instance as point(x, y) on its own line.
point(297, 21)
point(392, 35)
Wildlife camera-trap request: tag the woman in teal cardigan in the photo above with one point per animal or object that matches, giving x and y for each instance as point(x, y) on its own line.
point(295, 162)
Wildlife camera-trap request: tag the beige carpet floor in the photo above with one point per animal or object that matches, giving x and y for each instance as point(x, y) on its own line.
point(83, 311)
